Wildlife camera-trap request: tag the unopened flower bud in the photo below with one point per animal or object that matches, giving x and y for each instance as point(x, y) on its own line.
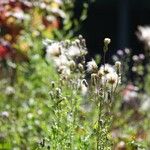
point(84, 82)
point(80, 66)
point(118, 64)
point(72, 65)
point(118, 67)
point(52, 84)
point(67, 42)
point(83, 42)
point(77, 41)
point(100, 73)
point(94, 79)
point(107, 41)
point(58, 92)
point(80, 36)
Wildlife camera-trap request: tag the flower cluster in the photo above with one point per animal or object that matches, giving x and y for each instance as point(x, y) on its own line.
point(107, 77)
point(67, 55)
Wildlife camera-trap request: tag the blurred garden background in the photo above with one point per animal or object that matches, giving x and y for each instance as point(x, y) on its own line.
point(74, 74)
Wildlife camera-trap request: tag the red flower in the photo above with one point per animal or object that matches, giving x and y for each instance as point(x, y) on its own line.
point(3, 52)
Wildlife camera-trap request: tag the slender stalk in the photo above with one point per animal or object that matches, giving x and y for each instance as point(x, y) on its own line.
point(99, 126)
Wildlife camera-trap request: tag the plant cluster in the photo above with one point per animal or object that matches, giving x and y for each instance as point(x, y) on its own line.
point(53, 97)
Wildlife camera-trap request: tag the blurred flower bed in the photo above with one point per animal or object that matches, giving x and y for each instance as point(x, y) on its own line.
point(52, 97)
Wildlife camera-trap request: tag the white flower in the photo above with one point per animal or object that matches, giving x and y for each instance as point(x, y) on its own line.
point(91, 66)
point(61, 60)
point(53, 50)
point(64, 70)
point(73, 51)
point(144, 34)
point(105, 69)
point(112, 78)
point(109, 76)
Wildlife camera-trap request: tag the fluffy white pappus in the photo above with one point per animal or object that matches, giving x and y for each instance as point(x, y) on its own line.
point(144, 34)
point(64, 70)
point(91, 66)
point(61, 61)
point(53, 50)
point(106, 69)
point(73, 51)
point(113, 78)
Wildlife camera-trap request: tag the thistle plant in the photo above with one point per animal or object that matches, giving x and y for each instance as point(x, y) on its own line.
point(75, 88)
point(104, 82)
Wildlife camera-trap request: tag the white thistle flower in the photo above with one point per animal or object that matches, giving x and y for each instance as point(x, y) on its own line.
point(112, 78)
point(144, 34)
point(91, 66)
point(64, 70)
point(61, 60)
point(73, 51)
point(109, 76)
point(53, 50)
point(106, 69)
